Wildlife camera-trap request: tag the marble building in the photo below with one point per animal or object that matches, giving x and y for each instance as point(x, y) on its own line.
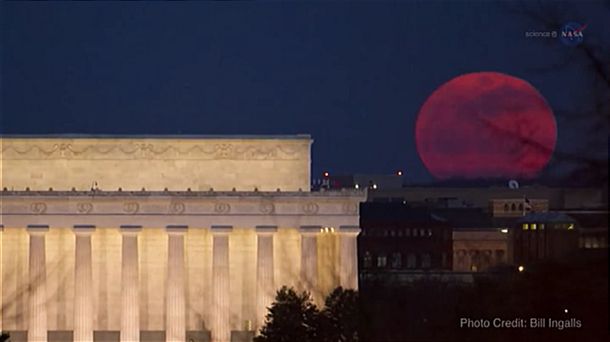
point(163, 238)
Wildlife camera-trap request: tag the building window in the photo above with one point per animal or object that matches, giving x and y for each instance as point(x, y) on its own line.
point(533, 226)
point(570, 226)
point(513, 207)
point(500, 256)
point(520, 206)
point(505, 206)
point(368, 260)
point(526, 226)
point(396, 260)
point(426, 260)
point(542, 226)
point(422, 232)
point(411, 261)
point(382, 261)
point(414, 232)
point(429, 232)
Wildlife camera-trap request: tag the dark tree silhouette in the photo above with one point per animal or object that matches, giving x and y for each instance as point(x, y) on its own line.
point(341, 316)
point(292, 317)
point(591, 58)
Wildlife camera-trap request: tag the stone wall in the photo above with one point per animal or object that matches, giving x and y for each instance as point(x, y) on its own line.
point(109, 163)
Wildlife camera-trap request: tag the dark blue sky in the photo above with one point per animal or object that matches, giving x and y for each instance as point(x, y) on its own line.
point(353, 75)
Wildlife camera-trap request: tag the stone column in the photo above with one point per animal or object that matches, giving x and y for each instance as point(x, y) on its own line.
point(130, 285)
point(265, 283)
point(83, 285)
point(309, 258)
point(1, 256)
point(348, 257)
point(37, 306)
point(221, 327)
point(175, 311)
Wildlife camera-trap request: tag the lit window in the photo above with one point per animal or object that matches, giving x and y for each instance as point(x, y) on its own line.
point(382, 261)
point(533, 226)
point(526, 226)
point(571, 226)
point(542, 226)
point(429, 232)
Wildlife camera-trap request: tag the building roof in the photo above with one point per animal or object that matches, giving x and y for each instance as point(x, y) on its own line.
point(398, 212)
point(473, 218)
point(550, 216)
point(154, 136)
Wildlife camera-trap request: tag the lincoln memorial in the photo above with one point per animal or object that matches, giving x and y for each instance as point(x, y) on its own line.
point(185, 238)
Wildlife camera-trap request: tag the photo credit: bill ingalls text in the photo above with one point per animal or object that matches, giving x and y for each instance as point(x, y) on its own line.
point(520, 323)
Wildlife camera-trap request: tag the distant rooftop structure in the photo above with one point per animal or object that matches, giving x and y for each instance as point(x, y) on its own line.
point(359, 181)
point(550, 216)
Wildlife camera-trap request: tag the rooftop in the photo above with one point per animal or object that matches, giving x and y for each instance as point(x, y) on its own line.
point(153, 136)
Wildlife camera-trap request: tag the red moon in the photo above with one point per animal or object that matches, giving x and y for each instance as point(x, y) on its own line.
point(485, 125)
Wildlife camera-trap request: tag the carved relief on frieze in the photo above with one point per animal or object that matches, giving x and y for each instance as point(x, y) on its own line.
point(310, 208)
point(38, 208)
point(84, 207)
point(131, 207)
point(176, 207)
point(130, 149)
point(266, 207)
point(222, 208)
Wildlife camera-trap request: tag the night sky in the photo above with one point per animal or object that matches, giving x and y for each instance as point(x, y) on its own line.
point(353, 75)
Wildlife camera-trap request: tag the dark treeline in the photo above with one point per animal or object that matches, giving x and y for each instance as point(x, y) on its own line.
point(574, 287)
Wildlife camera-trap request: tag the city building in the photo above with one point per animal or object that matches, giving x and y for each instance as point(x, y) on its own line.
point(399, 243)
point(545, 235)
point(480, 240)
point(110, 238)
point(481, 196)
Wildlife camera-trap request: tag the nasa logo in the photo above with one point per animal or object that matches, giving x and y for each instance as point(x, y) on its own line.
point(572, 34)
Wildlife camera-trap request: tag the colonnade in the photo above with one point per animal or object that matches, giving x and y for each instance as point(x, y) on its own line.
point(175, 306)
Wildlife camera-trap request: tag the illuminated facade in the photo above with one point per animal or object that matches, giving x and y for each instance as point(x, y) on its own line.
point(166, 238)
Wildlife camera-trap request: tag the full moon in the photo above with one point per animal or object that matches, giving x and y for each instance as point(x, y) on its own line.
point(485, 125)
